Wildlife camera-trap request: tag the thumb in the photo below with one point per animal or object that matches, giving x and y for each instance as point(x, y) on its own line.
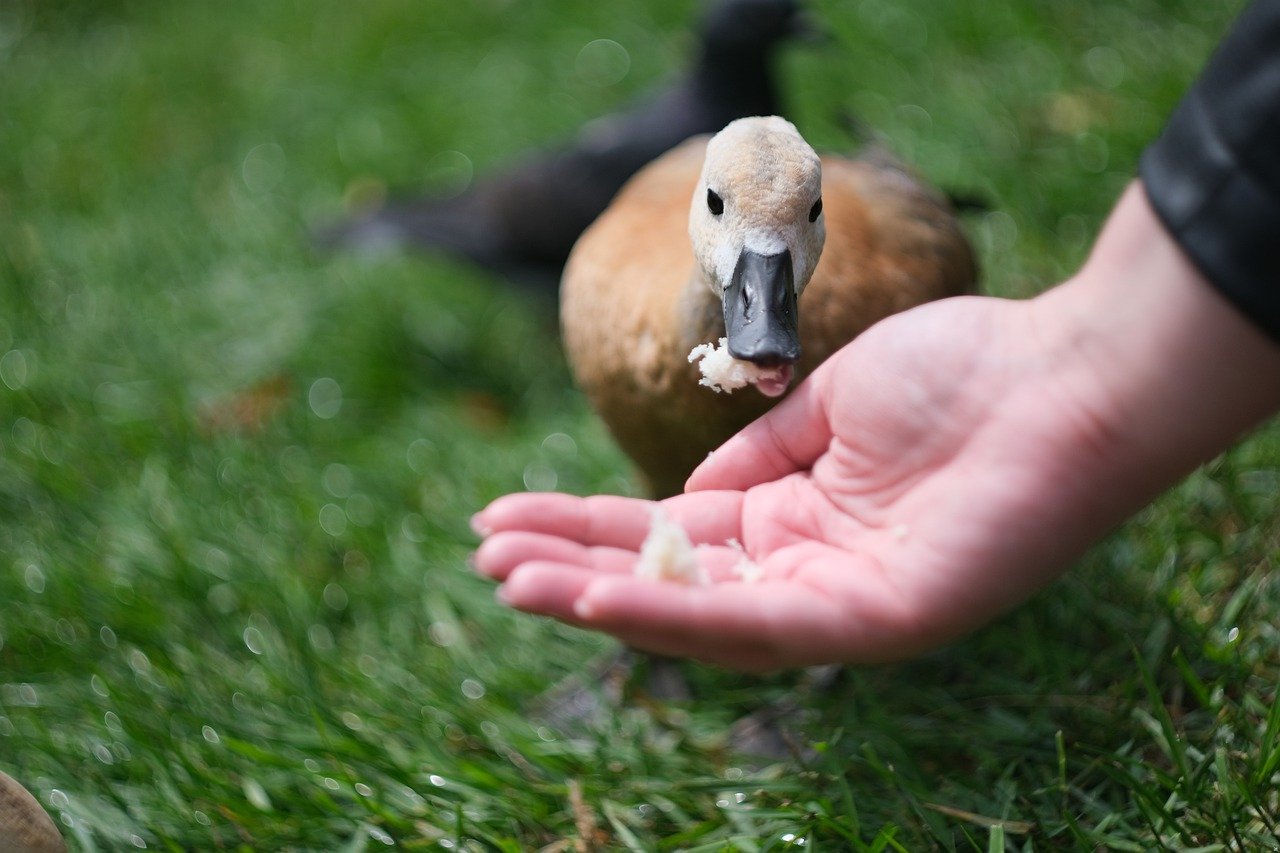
point(788, 438)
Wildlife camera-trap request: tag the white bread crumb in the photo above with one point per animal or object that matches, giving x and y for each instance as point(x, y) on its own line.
point(748, 571)
point(721, 371)
point(668, 555)
point(745, 569)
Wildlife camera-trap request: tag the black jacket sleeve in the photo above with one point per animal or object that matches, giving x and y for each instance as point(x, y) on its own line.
point(1213, 176)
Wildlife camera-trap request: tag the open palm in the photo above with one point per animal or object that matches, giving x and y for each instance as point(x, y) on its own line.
point(894, 501)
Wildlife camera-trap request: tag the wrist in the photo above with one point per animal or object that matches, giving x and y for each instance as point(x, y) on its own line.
point(1169, 371)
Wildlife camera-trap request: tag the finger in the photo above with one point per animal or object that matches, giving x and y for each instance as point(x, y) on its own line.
point(601, 520)
point(709, 518)
point(532, 511)
point(546, 589)
point(772, 620)
point(615, 522)
point(501, 553)
point(554, 589)
point(788, 438)
point(843, 612)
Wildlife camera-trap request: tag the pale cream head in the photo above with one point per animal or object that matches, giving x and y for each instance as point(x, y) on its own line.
point(766, 183)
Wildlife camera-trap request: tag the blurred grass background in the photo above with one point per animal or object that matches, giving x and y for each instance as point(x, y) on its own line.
point(235, 474)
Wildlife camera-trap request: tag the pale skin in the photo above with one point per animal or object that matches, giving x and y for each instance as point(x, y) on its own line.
point(939, 470)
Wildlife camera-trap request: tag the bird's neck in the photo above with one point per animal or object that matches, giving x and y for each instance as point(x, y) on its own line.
point(701, 313)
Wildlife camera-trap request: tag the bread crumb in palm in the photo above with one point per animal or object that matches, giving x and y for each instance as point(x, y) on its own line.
point(745, 570)
point(668, 555)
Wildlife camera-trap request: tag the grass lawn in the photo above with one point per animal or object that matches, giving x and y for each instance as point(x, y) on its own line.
point(235, 474)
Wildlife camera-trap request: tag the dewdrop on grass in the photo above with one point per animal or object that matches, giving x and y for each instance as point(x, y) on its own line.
point(668, 555)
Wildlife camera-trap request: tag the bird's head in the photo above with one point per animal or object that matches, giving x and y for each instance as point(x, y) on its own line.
point(734, 27)
point(757, 229)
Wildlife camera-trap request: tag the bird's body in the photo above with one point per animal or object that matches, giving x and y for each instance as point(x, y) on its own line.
point(524, 220)
point(635, 298)
point(25, 827)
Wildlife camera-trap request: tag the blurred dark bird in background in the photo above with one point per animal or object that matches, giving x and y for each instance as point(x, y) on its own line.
point(522, 222)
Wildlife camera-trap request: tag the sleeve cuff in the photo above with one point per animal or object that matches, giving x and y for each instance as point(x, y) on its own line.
point(1213, 176)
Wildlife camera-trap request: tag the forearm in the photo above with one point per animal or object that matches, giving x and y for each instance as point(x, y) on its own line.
point(1177, 312)
point(1171, 371)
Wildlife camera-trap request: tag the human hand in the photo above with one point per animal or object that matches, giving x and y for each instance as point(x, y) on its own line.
point(886, 502)
point(940, 469)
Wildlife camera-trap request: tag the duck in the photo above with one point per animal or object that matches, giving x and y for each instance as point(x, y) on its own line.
point(523, 221)
point(752, 237)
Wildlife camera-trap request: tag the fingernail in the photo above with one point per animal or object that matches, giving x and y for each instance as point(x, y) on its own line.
point(471, 562)
point(583, 609)
point(478, 527)
point(501, 595)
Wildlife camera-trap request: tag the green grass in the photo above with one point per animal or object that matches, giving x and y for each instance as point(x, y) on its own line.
point(268, 638)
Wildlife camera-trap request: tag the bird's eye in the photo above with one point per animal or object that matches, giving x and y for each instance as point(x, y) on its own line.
point(715, 204)
point(815, 211)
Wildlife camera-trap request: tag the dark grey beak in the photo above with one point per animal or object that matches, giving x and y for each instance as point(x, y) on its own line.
point(760, 314)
